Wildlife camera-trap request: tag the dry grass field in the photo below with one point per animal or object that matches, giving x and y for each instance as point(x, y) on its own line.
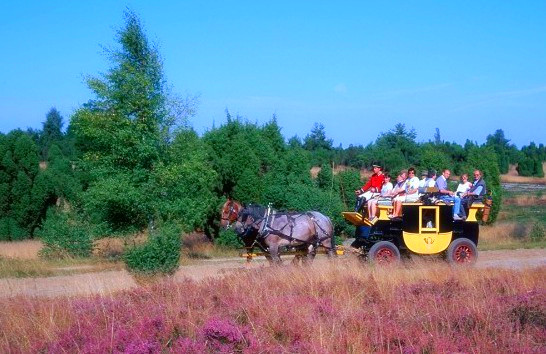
point(513, 177)
point(27, 249)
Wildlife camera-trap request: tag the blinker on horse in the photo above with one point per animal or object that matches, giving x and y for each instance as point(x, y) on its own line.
point(270, 230)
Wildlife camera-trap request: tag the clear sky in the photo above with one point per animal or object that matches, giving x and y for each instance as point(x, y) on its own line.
point(467, 67)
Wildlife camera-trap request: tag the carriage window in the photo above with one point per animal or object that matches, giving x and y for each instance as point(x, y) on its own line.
point(429, 218)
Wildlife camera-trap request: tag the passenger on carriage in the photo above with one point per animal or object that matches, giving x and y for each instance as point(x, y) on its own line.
point(448, 196)
point(384, 196)
point(371, 188)
point(410, 195)
point(423, 180)
point(475, 193)
point(464, 186)
point(431, 179)
point(398, 190)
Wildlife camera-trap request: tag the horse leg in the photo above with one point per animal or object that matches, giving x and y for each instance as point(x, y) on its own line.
point(311, 253)
point(274, 253)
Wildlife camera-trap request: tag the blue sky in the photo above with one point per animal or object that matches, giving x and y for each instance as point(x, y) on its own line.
point(357, 67)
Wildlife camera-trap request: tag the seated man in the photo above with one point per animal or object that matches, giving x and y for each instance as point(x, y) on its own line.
point(475, 193)
point(373, 186)
point(448, 196)
point(411, 193)
point(383, 196)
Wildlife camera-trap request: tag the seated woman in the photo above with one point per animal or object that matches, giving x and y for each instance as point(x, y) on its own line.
point(464, 186)
point(410, 195)
point(398, 191)
point(383, 196)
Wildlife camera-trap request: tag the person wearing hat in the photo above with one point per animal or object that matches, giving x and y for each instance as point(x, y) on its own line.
point(371, 188)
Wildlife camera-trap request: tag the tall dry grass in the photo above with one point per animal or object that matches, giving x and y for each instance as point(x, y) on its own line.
point(525, 200)
point(522, 179)
point(333, 308)
point(27, 249)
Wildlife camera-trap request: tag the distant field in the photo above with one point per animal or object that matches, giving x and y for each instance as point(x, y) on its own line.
point(513, 177)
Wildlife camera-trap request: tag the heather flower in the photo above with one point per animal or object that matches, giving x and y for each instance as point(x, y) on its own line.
point(225, 336)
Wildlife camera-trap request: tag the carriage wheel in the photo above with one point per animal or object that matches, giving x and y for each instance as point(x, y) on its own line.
point(383, 253)
point(462, 251)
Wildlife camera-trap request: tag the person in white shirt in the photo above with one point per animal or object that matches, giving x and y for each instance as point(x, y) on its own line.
point(423, 181)
point(464, 186)
point(431, 179)
point(412, 187)
point(385, 193)
point(411, 193)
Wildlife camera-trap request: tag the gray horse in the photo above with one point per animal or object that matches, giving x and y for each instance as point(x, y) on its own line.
point(270, 230)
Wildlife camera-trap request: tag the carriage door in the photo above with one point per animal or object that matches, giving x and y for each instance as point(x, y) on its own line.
point(429, 219)
point(428, 239)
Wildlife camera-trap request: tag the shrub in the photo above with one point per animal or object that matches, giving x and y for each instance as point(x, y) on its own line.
point(159, 255)
point(229, 239)
point(65, 234)
point(520, 231)
point(537, 232)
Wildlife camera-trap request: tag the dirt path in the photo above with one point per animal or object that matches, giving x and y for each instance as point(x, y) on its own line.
point(108, 282)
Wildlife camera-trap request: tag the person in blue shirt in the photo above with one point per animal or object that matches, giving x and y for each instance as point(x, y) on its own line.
point(448, 196)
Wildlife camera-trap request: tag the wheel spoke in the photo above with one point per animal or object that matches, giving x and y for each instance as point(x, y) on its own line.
point(384, 255)
point(463, 254)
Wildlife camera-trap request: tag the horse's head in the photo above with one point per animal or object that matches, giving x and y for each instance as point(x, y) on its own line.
point(249, 219)
point(230, 212)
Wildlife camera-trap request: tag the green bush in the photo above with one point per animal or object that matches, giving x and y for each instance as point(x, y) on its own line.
point(64, 234)
point(537, 232)
point(229, 239)
point(159, 255)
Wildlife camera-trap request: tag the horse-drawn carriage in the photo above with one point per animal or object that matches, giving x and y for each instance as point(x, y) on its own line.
point(425, 228)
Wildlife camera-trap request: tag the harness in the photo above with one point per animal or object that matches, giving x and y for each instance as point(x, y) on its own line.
point(266, 228)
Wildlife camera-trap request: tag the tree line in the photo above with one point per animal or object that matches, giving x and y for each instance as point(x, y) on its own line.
point(128, 160)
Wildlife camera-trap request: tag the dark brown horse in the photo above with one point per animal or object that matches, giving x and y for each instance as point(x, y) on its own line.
point(271, 230)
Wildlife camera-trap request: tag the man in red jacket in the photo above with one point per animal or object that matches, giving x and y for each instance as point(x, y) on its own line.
point(371, 188)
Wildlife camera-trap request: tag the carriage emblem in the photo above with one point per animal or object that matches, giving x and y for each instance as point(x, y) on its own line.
point(429, 240)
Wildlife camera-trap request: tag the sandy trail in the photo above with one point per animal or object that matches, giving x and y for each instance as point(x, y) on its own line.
point(108, 282)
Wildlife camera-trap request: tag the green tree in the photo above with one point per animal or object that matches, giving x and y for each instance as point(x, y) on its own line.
point(123, 134)
point(319, 145)
point(500, 145)
point(19, 216)
point(433, 158)
point(397, 148)
point(51, 132)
